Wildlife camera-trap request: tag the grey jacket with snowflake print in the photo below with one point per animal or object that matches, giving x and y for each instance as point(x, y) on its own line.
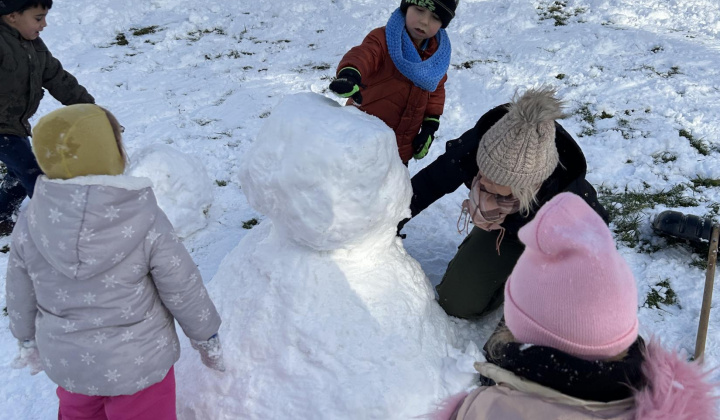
point(96, 275)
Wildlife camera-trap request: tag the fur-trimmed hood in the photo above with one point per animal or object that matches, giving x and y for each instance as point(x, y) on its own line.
point(675, 390)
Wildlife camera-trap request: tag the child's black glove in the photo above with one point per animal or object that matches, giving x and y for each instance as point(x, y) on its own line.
point(421, 143)
point(347, 84)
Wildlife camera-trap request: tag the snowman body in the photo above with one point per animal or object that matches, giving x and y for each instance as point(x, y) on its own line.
point(325, 316)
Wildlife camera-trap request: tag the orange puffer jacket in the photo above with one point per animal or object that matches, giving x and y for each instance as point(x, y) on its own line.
point(388, 94)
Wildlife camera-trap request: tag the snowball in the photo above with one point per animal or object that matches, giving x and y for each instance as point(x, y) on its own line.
point(181, 185)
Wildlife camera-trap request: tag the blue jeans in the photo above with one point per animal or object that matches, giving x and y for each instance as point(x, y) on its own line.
point(22, 172)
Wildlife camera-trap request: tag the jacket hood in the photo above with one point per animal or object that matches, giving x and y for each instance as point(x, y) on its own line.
point(677, 389)
point(86, 225)
point(77, 140)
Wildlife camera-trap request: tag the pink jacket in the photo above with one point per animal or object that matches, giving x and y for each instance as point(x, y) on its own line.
point(676, 390)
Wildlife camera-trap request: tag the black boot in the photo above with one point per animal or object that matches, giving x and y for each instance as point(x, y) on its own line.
point(683, 226)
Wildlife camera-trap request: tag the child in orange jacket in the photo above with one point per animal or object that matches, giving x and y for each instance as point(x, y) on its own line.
point(398, 73)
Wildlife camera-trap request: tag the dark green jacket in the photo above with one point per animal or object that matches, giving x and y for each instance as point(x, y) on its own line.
point(26, 67)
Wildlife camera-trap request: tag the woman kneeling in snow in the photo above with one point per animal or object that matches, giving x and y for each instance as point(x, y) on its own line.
point(573, 297)
point(514, 160)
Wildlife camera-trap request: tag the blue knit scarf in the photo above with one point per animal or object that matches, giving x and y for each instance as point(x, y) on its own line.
point(424, 74)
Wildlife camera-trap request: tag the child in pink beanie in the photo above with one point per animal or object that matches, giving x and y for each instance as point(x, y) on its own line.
point(569, 347)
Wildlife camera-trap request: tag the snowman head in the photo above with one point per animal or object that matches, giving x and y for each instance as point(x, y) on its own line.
point(328, 176)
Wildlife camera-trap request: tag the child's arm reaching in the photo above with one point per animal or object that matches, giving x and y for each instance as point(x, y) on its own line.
point(180, 286)
point(361, 61)
point(62, 85)
point(366, 57)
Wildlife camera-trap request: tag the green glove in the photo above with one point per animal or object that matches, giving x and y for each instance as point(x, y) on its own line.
point(347, 84)
point(421, 143)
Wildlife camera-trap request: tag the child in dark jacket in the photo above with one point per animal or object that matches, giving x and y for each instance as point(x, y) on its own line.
point(569, 348)
point(97, 278)
point(26, 68)
point(398, 73)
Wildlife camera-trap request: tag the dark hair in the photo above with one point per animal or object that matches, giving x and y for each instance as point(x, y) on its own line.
point(47, 4)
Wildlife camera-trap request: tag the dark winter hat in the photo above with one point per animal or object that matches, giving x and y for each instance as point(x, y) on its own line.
point(9, 6)
point(443, 8)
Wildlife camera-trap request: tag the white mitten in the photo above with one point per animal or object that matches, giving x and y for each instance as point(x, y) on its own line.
point(210, 352)
point(29, 356)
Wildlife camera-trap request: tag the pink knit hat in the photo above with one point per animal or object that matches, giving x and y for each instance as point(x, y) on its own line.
point(571, 289)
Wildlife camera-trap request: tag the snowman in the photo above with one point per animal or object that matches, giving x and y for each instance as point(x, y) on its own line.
point(325, 316)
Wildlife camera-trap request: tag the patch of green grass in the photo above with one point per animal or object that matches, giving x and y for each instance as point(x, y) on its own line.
point(664, 157)
point(558, 11)
point(144, 31)
point(203, 121)
point(221, 183)
point(697, 144)
point(471, 63)
point(196, 35)
point(700, 181)
point(627, 209)
point(661, 294)
point(698, 262)
point(5, 249)
point(586, 115)
point(120, 39)
point(605, 115)
point(248, 224)
point(560, 76)
point(715, 209)
point(672, 72)
point(588, 132)
point(589, 117)
point(264, 114)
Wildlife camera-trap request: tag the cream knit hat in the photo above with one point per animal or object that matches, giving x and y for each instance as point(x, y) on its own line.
point(77, 140)
point(519, 150)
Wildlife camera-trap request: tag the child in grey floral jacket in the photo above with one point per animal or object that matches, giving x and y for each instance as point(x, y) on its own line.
point(97, 277)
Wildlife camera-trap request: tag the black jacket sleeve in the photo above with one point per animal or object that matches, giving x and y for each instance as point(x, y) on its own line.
point(445, 174)
point(457, 166)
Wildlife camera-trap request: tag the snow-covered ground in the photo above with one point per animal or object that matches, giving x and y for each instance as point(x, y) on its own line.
point(640, 78)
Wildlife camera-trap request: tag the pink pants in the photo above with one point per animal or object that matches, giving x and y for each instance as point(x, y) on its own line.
point(156, 402)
